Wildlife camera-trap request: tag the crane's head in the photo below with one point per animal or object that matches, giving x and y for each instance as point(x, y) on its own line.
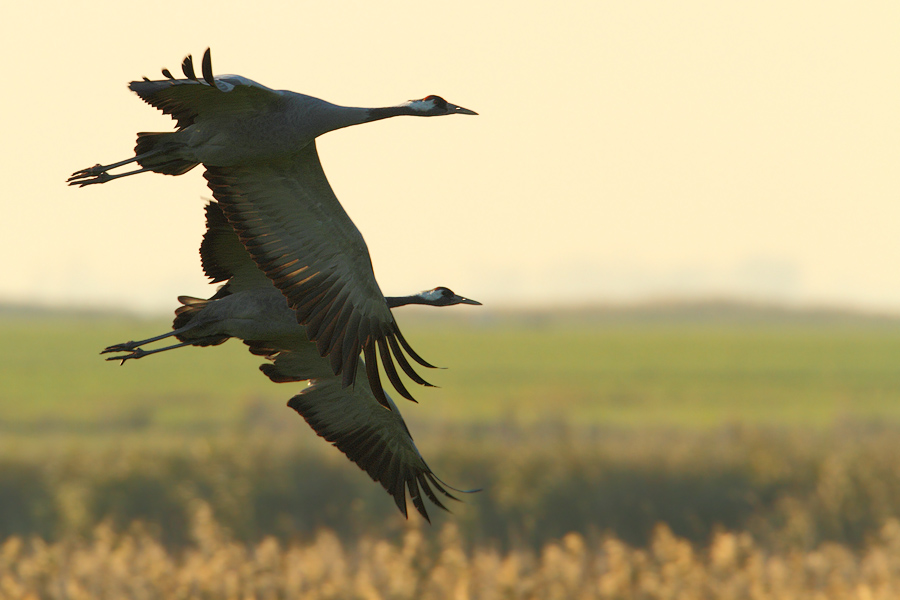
point(435, 106)
point(441, 296)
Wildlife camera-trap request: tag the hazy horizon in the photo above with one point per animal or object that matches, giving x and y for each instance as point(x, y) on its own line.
point(714, 306)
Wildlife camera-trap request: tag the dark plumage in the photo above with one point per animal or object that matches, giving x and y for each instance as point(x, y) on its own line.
point(249, 307)
point(270, 184)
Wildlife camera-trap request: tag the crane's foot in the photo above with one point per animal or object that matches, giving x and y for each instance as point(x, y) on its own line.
point(136, 353)
point(89, 172)
point(123, 347)
point(89, 176)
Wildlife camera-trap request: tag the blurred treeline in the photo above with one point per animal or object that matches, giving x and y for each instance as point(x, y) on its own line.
point(787, 488)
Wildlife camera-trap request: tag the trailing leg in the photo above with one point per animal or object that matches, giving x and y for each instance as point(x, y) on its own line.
point(140, 352)
point(131, 346)
point(157, 152)
point(101, 177)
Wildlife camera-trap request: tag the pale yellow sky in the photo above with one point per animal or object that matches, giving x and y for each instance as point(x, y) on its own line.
point(625, 150)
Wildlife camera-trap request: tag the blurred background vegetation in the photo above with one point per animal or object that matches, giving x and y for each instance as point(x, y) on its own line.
point(703, 417)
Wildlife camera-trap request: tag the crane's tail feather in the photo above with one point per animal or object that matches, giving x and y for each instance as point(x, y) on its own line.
point(184, 320)
point(153, 151)
point(190, 308)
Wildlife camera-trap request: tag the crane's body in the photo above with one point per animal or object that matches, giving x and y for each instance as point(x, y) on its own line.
point(252, 314)
point(231, 120)
point(259, 314)
point(249, 307)
point(258, 147)
point(270, 129)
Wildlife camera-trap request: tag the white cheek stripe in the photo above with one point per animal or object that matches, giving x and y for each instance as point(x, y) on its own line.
point(432, 295)
point(422, 105)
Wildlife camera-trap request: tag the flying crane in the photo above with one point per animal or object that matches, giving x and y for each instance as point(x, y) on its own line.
point(258, 147)
point(248, 306)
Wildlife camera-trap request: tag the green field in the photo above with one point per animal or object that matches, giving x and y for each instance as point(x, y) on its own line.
point(783, 425)
point(614, 370)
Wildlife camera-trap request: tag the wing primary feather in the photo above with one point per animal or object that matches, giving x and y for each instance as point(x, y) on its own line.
point(351, 342)
point(329, 335)
point(188, 67)
point(317, 320)
point(340, 331)
point(423, 481)
point(392, 473)
point(410, 351)
point(366, 447)
point(357, 441)
point(304, 303)
point(283, 263)
point(322, 316)
point(372, 373)
point(307, 284)
point(441, 487)
point(371, 453)
point(391, 370)
point(380, 464)
point(416, 497)
point(304, 295)
point(206, 67)
point(306, 310)
point(399, 493)
point(336, 361)
point(265, 248)
point(351, 361)
point(404, 364)
point(167, 74)
point(444, 484)
point(364, 331)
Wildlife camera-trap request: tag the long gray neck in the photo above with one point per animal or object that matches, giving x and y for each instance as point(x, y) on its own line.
point(395, 301)
point(331, 117)
point(376, 114)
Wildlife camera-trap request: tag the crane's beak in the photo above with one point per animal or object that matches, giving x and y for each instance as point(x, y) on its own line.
point(461, 300)
point(453, 109)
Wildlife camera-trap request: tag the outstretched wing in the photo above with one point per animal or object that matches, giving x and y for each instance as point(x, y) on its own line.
point(377, 440)
point(197, 98)
point(224, 258)
point(297, 232)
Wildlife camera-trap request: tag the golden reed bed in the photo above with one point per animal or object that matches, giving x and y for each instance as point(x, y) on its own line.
point(430, 564)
